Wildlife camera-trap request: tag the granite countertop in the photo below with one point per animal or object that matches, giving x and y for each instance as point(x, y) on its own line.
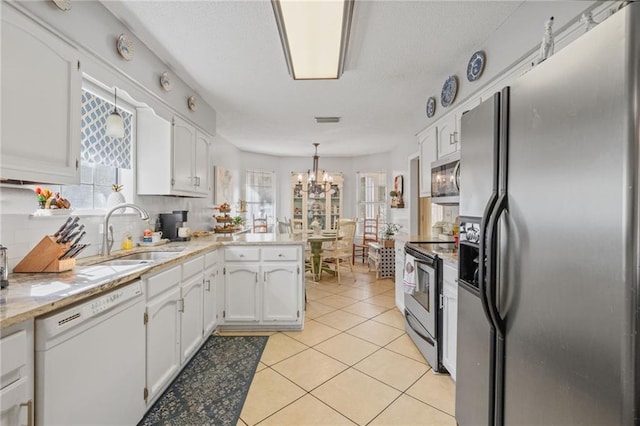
point(30, 295)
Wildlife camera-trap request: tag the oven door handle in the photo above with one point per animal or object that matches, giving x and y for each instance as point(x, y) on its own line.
point(429, 263)
point(418, 332)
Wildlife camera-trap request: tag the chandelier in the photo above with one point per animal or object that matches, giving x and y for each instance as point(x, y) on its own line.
point(314, 186)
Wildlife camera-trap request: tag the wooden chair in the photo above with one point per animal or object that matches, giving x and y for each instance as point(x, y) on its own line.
point(260, 225)
point(284, 226)
point(369, 235)
point(342, 251)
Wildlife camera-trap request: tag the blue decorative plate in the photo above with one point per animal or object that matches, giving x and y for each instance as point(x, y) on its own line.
point(449, 91)
point(475, 65)
point(431, 107)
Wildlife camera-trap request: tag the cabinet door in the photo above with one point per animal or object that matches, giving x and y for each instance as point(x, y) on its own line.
point(184, 139)
point(427, 141)
point(201, 164)
point(241, 293)
point(15, 403)
point(399, 276)
point(280, 292)
point(210, 312)
point(163, 340)
point(41, 88)
point(191, 321)
point(450, 319)
point(448, 136)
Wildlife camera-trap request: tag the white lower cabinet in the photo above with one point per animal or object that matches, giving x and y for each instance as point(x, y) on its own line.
point(281, 292)
point(163, 329)
point(263, 287)
point(241, 293)
point(399, 247)
point(450, 319)
point(16, 378)
point(191, 308)
point(211, 291)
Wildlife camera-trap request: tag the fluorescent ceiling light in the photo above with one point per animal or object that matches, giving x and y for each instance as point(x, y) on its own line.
point(314, 36)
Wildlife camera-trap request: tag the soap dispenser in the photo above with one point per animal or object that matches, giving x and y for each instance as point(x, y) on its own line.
point(4, 273)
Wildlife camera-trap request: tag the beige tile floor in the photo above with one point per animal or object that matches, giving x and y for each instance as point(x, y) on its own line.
point(352, 364)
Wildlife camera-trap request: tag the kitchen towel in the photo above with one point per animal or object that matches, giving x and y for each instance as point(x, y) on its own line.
point(409, 274)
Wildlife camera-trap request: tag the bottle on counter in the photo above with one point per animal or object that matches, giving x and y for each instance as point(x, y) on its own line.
point(127, 241)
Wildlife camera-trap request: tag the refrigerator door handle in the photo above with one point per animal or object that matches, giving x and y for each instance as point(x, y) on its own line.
point(492, 273)
point(482, 284)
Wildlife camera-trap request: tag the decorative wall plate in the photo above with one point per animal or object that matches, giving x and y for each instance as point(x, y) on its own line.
point(62, 4)
point(449, 91)
point(191, 102)
point(125, 47)
point(431, 107)
point(475, 65)
point(165, 82)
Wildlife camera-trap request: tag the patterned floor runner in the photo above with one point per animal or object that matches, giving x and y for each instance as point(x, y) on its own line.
point(212, 388)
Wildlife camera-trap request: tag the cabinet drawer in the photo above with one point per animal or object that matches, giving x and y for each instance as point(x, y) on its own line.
point(210, 259)
point(192, 267)
point(280, 253)
point(13, 350)
point(242, 254)
point(163, 281)
point(450, 275)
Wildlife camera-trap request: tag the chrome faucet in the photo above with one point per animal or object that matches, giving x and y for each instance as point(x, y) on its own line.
point(108, 242)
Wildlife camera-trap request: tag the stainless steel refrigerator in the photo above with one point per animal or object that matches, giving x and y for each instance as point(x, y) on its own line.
point(549, 294)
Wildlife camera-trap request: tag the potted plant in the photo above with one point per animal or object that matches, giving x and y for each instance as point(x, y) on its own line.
point(238, 221)
point(394, 198)
point(389, 231)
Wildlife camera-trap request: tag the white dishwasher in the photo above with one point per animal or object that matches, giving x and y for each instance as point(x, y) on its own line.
point(90, 361)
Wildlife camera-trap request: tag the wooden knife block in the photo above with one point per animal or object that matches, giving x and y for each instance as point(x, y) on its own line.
point(44, 257)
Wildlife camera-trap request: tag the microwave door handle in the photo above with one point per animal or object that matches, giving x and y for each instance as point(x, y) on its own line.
point(456, 174)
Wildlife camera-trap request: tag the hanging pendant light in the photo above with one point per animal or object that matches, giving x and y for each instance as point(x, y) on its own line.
point(115, 123)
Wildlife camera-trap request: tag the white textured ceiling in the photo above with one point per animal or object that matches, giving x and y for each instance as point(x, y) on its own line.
point(400, 53)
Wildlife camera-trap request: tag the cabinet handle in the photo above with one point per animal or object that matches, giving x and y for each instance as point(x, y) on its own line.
point(181, 307)
point(29, 405)
point(256, 277)
point(208, 288)
point(441, 301)
point(241, 255)
point(280, 255)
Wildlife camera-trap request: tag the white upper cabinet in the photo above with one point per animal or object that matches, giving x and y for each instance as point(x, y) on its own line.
point(427, 143)
point(184, 141)
point(448, 136)
point(172, 158)
point(41, 89)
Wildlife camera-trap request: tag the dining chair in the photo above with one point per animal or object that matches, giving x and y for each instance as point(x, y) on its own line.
point(369, 235)
point(284, 226)
point(260, 225)
point(341, 253)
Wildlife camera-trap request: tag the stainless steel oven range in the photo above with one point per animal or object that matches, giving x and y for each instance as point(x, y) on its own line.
point(423, 310)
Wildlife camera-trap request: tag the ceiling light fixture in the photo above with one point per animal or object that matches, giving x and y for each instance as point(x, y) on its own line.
point(314, 36)
point(315, 188)
point(115, 123)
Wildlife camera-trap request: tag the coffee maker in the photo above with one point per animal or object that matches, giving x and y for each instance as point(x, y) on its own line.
point(170, 222)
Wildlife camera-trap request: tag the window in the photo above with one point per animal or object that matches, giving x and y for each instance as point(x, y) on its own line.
point(260, 194)
point(104, 161)
point(372, 190)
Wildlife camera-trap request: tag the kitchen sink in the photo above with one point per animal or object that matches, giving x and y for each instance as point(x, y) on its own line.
point(147, 256)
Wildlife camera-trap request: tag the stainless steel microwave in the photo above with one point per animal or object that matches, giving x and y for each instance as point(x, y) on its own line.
point(445, 180)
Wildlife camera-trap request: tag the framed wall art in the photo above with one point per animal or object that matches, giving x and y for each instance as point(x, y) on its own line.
point(223, 192)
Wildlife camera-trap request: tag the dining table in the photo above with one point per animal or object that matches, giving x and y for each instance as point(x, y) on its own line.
point(316, 241)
